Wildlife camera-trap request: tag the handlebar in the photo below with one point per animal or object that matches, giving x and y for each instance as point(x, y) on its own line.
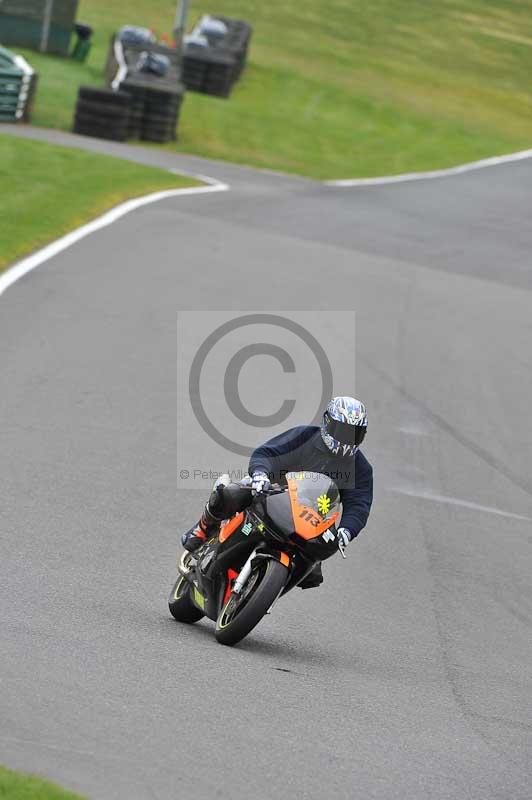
point(275, 488)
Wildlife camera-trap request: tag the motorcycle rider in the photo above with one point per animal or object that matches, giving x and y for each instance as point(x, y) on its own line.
point(331, 448)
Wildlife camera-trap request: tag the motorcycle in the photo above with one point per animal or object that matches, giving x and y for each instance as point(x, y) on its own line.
point(259, 554)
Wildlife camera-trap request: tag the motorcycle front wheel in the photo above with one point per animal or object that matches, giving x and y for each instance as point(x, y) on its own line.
point(244, 611)
point(180, 602)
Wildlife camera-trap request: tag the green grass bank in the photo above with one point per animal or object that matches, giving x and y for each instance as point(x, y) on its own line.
point(16, 786)
point(49, 190)
point(341, 89)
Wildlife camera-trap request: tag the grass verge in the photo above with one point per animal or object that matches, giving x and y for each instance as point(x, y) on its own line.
point(48, 190)
point(16, 786)
point(341, 89)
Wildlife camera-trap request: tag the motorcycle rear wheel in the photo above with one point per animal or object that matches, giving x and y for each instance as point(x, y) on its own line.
point(180, 602)
point(243, 612)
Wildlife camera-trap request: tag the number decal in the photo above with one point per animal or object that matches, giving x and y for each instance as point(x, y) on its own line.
point(310, 516)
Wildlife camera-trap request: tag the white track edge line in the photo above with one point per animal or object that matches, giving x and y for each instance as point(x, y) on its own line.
point(456, 501)
point(198, 177)
point(21, 268)
point(436, 173)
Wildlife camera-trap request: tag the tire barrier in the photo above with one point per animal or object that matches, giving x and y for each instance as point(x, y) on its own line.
point(102, 113)
point(209, 73)
point(215, 55)
point(151, 74)
point(44, 25)
point(154, 113)
point(18, 83)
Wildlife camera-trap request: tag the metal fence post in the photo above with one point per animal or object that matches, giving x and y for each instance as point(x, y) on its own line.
point(46, 22)
point(180, 24)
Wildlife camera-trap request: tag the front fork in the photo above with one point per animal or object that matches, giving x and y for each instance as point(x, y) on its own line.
point(245, 572)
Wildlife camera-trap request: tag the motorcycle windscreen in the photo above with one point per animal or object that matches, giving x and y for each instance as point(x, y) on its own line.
point(315, 502)
point(278, 514)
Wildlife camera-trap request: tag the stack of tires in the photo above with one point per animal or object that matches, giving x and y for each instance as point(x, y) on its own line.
point(161, 112)
point(151, 74)
point(237, 42)
point(154, 113)
point(102, 113)
point(195, 66)
point(215, 55)
point(221, 74)
point(209, 72)
point(136, 109)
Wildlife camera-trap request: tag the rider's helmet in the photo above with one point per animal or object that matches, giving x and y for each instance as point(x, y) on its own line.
point(344, 425)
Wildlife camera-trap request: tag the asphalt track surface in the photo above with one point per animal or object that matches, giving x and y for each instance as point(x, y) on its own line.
point(408, 673)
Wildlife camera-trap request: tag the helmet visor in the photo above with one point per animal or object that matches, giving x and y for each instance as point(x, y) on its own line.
point(344, 432)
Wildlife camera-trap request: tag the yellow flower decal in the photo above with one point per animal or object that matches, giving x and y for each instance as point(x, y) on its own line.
point(324, 504)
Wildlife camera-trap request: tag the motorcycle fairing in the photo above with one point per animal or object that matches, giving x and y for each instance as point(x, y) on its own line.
point(229, 526)
point(314, 501)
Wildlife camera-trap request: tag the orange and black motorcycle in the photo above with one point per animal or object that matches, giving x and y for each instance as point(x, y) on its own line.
point(259, 554)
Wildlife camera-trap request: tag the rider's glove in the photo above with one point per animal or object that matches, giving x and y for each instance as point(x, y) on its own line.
point(260, 482)
point(343, 536)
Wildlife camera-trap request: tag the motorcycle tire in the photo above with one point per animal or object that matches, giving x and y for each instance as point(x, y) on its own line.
point(180, 603)
point(243, 612)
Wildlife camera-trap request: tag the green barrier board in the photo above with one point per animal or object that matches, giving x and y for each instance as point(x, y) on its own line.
point(38, 24)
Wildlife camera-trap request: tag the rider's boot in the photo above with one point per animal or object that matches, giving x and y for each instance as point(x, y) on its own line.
point(208, 526)
point(313, 579)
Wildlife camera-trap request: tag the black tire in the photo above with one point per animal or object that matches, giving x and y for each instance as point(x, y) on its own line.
point(102, 109)
point(154, 96)
point(170, 101)
point(99, 133)
point(194, 72)
point(216, 92)
point(155, 127)
point(100, 125)
point(157, 138)
point(104, 96)
point(162, 108)
point(242, 613)
point(180, 603)
point(115, 125)
point(133, 91)
point(159, 120)
point(112, 137)
point(159, 111)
